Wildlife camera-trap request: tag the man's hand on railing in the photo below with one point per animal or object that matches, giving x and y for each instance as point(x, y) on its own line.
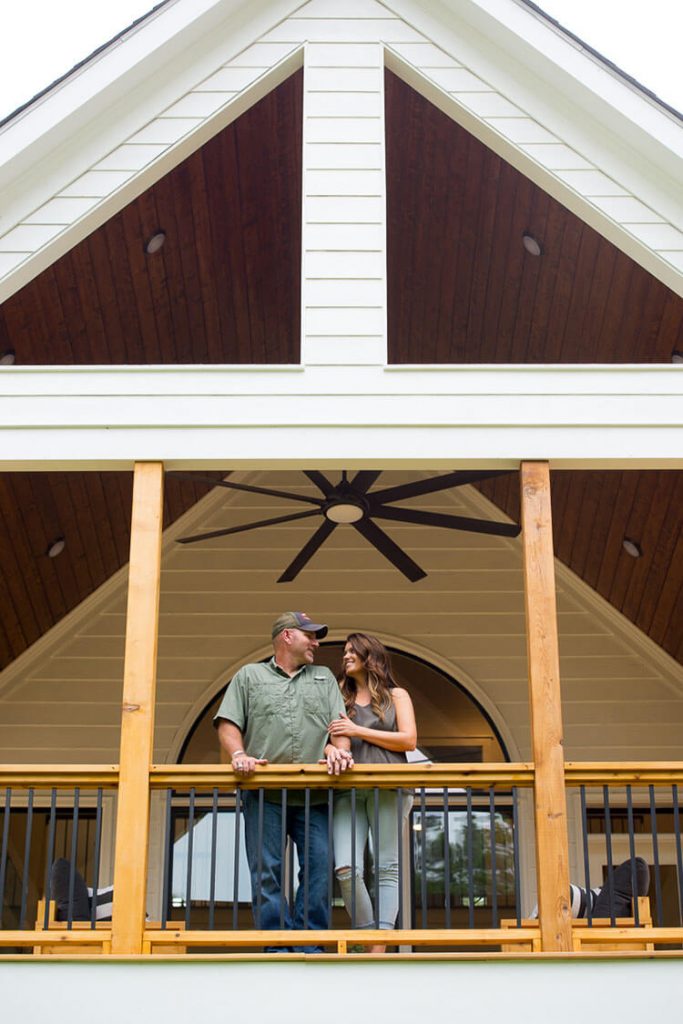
point(336, 759)
point(243, 764)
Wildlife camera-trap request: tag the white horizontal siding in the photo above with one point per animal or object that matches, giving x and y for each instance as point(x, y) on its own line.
point(344, 237)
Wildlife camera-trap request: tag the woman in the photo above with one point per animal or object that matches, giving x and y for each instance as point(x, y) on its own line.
point(380, 722)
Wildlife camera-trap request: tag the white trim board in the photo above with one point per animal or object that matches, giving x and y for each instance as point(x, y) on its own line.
point(351, 417)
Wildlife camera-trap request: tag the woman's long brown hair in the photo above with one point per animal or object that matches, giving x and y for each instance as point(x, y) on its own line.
point(377, 663)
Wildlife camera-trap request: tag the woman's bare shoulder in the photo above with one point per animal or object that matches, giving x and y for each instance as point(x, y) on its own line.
point(398, 693)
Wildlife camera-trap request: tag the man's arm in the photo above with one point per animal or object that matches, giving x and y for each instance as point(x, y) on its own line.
point(232, 741)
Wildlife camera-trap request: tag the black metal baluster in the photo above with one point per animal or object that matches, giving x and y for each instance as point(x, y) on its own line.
point(399, 829)
point(259, 858)
point(586, 859)
point(423, 855)
point(655, 853)
point(330, 854)
point(353, 857)
point(515, 852)
point(307, 850)
point(608, 850)
point(27, 857)
point(236, 859)
point(492, 846)
point(190, 857)
point(5, 846)
point(283, 857)
point(679, 854)
point(375, 851)
point(212, 869)
point(72, 862)
point(446, 858)
point(50, 857)
point(166, 883)
point(96, 858)
point(632, 854)
point(470, 859)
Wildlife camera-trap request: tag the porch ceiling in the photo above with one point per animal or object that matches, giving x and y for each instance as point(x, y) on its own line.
point(225, 288)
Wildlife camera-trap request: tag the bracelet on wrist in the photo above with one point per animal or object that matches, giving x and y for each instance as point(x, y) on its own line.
point(236, 752)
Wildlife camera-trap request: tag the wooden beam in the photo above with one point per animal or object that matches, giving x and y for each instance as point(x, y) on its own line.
point(550, 807)
point(137, 717)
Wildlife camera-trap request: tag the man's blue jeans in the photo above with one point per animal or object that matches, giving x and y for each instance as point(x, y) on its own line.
point(264, 853)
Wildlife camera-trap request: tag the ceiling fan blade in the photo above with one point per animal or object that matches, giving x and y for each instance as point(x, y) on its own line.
point(363, 480)
point(414, 515)
point(249, 488)
point(248, 526)
point(435, 483)
point(307, 551)
point(320, 481)
point(391, 551)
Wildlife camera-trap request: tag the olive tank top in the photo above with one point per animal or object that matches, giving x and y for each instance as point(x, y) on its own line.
point(367, 753)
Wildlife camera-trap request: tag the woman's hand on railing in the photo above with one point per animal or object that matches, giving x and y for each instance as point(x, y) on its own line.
point(336, 759)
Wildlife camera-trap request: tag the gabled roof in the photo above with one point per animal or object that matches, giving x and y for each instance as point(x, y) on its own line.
point(581, 131)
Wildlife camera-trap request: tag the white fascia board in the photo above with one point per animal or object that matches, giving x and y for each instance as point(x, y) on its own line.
point(97, 108)
point(343, 417)
point(594, 109)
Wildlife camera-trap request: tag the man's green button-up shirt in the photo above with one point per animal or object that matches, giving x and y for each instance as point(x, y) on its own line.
point(282, 718)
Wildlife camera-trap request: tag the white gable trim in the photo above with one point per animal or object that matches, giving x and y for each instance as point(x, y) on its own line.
point(582, 132)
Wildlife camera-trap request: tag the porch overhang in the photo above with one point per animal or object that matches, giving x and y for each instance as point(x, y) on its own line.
point(341, 416)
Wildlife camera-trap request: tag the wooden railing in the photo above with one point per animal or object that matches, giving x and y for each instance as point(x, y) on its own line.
point(521, 935)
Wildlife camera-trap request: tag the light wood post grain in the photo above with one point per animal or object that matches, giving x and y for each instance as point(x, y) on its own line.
point(137, 717)
point(550, 805)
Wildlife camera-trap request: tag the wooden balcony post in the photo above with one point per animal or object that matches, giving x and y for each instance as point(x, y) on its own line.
point(137, 716)
point(550, 804)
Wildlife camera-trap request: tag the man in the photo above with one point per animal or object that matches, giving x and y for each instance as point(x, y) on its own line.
point(279, 712)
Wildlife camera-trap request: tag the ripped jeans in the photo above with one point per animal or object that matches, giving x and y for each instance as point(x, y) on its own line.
point(385, 853)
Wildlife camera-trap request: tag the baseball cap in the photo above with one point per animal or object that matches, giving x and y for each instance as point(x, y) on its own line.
point(298, 620)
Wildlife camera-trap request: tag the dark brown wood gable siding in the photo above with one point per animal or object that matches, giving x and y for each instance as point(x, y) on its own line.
point(225, 288)
point(462, 288)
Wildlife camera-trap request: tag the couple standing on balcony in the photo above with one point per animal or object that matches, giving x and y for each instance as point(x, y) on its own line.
point(288, 711)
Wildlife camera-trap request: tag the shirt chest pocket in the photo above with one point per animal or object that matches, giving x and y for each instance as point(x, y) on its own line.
point(315, 699)
point(265, 700)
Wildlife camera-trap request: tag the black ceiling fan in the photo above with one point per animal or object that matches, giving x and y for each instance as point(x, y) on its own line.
point(352, 502)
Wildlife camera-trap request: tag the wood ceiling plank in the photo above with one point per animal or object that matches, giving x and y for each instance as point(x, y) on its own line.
point(113, 294)
point(176, 347)
point(187, 250)
point(630, 572)
point(482, 251)
point(213, 332)
point(542, 313)
point(662, 529)
point(37, 540)
point(532, 274)
point(573, 346)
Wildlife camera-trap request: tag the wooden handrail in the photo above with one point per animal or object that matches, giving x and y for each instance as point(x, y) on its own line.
point(386, 776)
point(459, 775)
point(623, 773)
point(50, 776)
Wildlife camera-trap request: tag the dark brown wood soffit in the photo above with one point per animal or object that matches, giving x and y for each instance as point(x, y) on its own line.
point(92, 512)
point(225, 288)
point(592, 514)
point(461, 287)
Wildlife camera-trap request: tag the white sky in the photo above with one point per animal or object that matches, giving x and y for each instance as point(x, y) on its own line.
point(41, 39)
